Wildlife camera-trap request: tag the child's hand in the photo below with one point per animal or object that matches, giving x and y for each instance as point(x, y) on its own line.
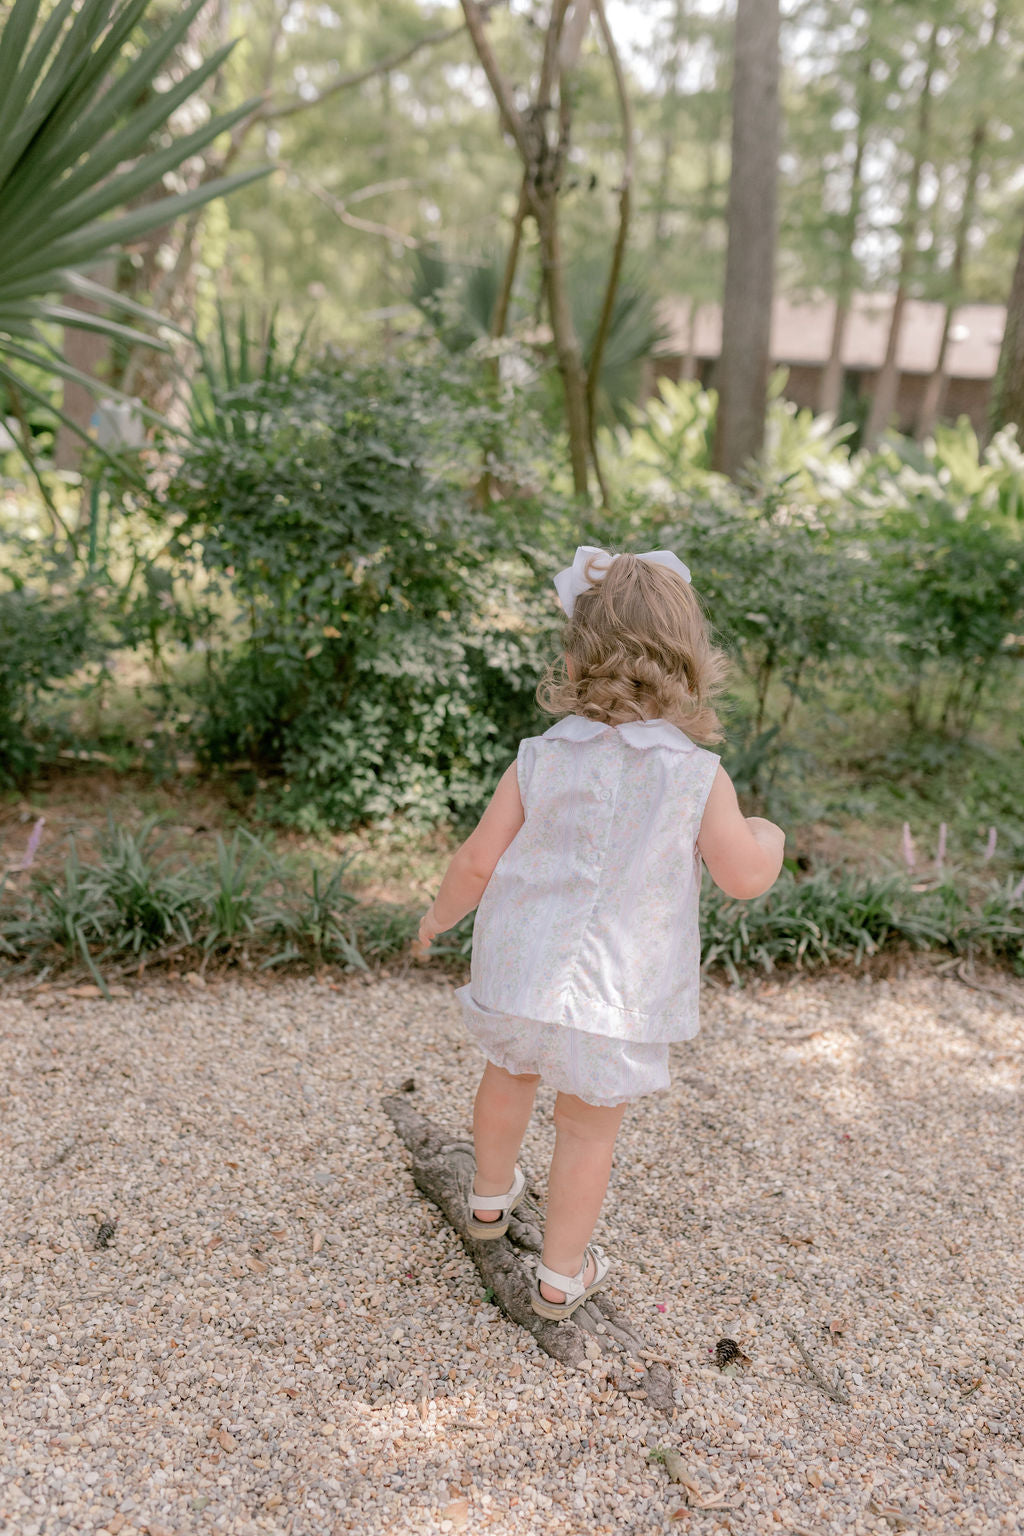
point(427, 933)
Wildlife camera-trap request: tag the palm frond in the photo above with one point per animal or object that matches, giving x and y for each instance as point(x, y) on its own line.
point(77, 118)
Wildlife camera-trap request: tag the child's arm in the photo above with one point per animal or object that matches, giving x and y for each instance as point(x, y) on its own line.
point(743, 853)
point(473, 864)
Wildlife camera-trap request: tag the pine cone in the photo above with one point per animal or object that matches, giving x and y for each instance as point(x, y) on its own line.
point(726, 1350)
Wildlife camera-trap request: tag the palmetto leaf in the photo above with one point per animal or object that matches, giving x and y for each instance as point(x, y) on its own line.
point(220, 403)
point(21, 385)
point(77, 117)
point(87, 288)
point(22, 315)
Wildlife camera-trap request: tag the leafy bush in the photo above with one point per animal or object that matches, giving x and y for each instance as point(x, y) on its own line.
point(47, 631)
point(950, 538)
point(387, 656)
point(788, 587)
point(668, 447)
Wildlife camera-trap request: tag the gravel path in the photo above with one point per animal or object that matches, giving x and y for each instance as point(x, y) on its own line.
point(282, 1336)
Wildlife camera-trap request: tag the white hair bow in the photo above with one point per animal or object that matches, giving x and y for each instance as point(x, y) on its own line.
point(573, 581)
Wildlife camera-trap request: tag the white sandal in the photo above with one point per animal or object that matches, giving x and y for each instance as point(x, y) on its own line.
point(576, 1293)
point(505, 1204)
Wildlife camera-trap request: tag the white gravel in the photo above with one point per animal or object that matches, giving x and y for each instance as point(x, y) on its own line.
point(283, 1336)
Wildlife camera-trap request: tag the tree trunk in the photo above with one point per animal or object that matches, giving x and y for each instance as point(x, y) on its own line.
point(884, 402)
point(667, 139)
point(742, 376)
point(831, 395)
point(1008, 395)
point(442, 1169)
point(89, 352)
point(568, 353)
point(935, 389)
point(619, 251)
point(543, 160)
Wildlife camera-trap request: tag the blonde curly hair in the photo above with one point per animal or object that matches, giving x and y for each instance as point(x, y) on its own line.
point(638, 647)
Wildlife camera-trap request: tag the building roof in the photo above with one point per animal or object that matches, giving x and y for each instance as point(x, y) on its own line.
point(802, 334)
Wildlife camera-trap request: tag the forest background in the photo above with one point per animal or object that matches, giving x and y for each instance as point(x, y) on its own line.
point(266, 644)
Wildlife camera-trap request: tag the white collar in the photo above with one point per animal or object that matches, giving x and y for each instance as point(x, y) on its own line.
point(635, 733)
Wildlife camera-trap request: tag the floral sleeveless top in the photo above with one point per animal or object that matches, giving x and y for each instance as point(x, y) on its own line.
point(590, 918)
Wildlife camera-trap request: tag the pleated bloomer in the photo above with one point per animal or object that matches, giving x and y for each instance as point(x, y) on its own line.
point(599, 1069)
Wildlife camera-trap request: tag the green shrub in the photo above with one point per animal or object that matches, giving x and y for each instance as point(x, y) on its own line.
point(667, 448)
point(846, 918)
point(950, 546)
point(47, 631)
point(131, 904)
point(789, 589)
point(388, 648)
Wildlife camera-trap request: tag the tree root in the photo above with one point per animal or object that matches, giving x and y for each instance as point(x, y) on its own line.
point(442, 1170)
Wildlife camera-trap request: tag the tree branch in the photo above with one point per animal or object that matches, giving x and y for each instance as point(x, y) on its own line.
point(499, 320)
point(551, 70)
point(510, 116)
point(618, 254)
point(339, 206)
point(382, 67)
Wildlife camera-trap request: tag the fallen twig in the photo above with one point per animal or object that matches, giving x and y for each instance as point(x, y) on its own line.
point(979, 986)
point(837, 1393)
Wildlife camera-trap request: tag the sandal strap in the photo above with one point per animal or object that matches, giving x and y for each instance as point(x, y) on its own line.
point(497, 1202)
point(572, 1285)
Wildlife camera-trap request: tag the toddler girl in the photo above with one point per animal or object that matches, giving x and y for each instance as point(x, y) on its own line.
point(586, 866)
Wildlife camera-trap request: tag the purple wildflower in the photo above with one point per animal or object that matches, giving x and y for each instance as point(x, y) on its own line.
point(990, 846)
point(940, 852)
point(32, 846)
point(908, 846)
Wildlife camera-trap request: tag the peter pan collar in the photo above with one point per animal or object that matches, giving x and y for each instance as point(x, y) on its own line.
point(635, 733)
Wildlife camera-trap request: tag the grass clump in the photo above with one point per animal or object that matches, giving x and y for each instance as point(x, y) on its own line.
point(832, 919)
point(133, 904)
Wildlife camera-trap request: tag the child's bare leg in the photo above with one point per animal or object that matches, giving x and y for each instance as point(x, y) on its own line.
point(501, 1113)
point(582, 1162)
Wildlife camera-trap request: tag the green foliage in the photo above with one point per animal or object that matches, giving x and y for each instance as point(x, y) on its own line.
point(242, 905)
point(789, 589)
point(132, 902)
point(667, 448)
point(147, 902)
point(457, 299)
point(232, 900)
point(244, 356)
point(324, 923)
point(906, 564)
point(76, 129)
point(951, 546)
point(386, 656)
point(845, 918)
point(47, 631)
point(634, 331)
point(671, 436)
